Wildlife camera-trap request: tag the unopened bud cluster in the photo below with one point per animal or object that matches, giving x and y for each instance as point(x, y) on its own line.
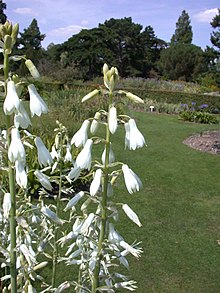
point(8, 34)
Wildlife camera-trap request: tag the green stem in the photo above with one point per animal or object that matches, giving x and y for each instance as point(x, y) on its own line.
point(95, 281)
point(55, 247)
point(12, 191)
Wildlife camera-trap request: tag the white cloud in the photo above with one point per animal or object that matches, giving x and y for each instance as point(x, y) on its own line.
point(67, 31)
point(24, 10)
point(206, 15)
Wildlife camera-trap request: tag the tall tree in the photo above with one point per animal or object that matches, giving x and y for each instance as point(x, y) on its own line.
point(183, 33)
point(3, 16)
point(215, 36)
point(31, 38)
point(29, 44)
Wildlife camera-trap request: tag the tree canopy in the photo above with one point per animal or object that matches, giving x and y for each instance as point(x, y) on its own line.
point(215, 36)
point(183, 33)
point(120, 42)
point(3, 16)
point(182, 61)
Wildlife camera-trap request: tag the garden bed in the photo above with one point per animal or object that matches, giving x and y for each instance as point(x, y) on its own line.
point(208, 141)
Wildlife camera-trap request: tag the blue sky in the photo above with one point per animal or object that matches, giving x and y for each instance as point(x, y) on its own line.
point(60, 19)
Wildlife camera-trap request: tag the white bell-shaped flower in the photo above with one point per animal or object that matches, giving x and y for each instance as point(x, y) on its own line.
point(68, 155)
point(12, 102)
point(43, 179)
point(133, 137)
point(16, 151)
point(21, 119)
point(37, 104)
point(6, 205)
point(44, 156)
point(132, 181)
point(96, 182)
point(21, 175)
point(111, 155)
point(112, 120)
point(54, 153)
point(83, 159)
point(81, 136)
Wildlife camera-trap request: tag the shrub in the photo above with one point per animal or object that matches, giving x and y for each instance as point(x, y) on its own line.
point(198, 117)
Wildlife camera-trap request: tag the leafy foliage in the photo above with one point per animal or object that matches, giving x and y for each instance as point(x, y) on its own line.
point(199, 117)
point(120, 41)
point(215, 37)
point(3, 16)
point(182, 61)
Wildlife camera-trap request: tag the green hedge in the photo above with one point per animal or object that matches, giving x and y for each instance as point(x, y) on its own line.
point(180, 98)
point(160, 96)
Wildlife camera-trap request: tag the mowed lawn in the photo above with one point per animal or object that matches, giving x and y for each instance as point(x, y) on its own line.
point(179, 207)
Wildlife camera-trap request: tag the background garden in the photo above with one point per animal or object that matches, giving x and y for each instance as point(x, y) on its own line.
point(179, 202)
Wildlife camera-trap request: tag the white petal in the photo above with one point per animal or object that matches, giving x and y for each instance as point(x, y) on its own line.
point(51, 215)
point(136, 138)
point(131, 214)
point(81, 136)
point(73, 201)
point(16, 149)
point(83, 159)
point(6, 205)
point(12, 102)
point(37, 104)
point(44, 156)
point(21, 176)
point(43, 180)
point(96, 182)
point(132, 181)
point(74, 173)
point(21, 119)
point(113, 123)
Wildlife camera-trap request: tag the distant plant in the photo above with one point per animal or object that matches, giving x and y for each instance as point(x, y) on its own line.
point(198, 114)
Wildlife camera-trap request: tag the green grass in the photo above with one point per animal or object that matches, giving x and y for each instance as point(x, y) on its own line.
point(178, 207)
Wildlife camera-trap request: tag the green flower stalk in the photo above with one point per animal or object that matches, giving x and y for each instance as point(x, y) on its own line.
point(7, 39)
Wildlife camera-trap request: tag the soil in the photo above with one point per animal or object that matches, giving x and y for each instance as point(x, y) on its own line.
point(208, 141)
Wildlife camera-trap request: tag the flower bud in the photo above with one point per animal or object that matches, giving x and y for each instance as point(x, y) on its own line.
point(105, 69)
point(40, 265)
point(32, 68)
point(8, 26)
point(14, 34)
point(112, 120)
point(3, 31)
point(134, 98)
point(90, 95)
point(7, 44)
point(95, 123)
